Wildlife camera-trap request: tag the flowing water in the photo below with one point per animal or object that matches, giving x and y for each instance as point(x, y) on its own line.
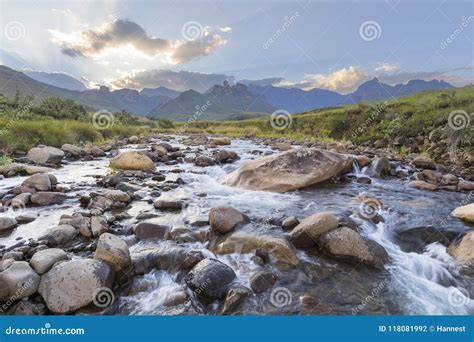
point(421, 278)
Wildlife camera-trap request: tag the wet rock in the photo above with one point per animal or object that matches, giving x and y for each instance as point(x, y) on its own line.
point(43, 260)
point(176, 298)
point(74, 284)
point(15, 255)
point(348, 245)
point(72, 151)
point(225, 156)
point(363, 160)
point(463, 251)
point(239, 242)
point(290, 223)
point(466, 212)
point(235, 296)
point(165, 258)
point(203, 161)
point(290, 170)
point(428, 176)
point(464, 185)
point(21, 200)
point(169, 205)
point(114, 251)
point(449, 179)
point(422, 162)
point(262, 280)
point(18, 281)
point(158, 150)
point(422, 185)
point(60, 234)
point(307, 232)
point(221, 141)
point(131, 160)
point(7, 224)
point(127, 187)
point(26, 218)
point(45, 155)
point(28, 308)
point(151, 229)
point(380, 167)
point(364, 180)
point(225, 219)
point(39, 181)
point(184, 234)
point(98, 225)
point(281, 146)
point(210, 278)
point(97, 152)
point(47, 198)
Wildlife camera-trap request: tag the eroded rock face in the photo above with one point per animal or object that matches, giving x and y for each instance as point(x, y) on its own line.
point(463, 251)
point(18, 281)
point(73, 284)
point(346, 244)
point(279, 249)
point(210, 278)
point(225, 219)
point(290, 170)
point(131, 160)
point(307, 232)
point(45, 155)
point(466, 212)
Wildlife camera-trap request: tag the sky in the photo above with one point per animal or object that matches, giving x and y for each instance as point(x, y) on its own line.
point(333, 45)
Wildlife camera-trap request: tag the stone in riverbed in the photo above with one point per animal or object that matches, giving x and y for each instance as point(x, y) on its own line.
point(290, 170)
point(203, 161)
point(221, 141)
point(47, 198)
point(18, 281)
point(114, 251)
point(210, 278)
point(74, 284)
point(225, 156)
point(21, 200)
point(346, 244)
point(290, 223)
point(262, 280)
point(7, 224)
point(72, 150)
point(26, 218)
point(422, 185)
point(235, 296)
point(45, 155)
point(223, 220)
point(466, 212)
point(380, 167)
point(60, 234)
point(176, 298)
point(307, 232)
point(43, 260)
point(422, 162)
point(463, 251)
point(98, 225)
point(169, 205)
point(39, 181)
point(131, 160)
point(241, 242)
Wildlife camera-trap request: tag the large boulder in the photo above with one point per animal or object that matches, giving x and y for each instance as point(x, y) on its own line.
point(47, 198)
point(18, 281)
point(466, 212)
point(45, 155)
point(72, 150)
point(74, 284)
point(223, 220)
point(463, 251)
point(151, 229)
point(7, 224)
point(346, 244)
point(210, 278)
point(307, 232)
point(423, 162)
point(114, 251)
point(39, 181)
point(60, 234)
point(43, 260)
point(380, 167)
point(290, 170)
point(131, 160)
point(221, 141)
point(241, 242)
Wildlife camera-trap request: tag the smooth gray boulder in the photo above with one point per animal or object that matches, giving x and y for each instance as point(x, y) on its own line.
point(18, 281)
point(45, 155)
point(43, 260)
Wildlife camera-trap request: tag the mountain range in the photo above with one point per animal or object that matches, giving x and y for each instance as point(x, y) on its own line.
point(219, 102)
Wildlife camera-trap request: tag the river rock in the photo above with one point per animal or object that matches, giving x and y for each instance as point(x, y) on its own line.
point(21, 200)
point(464, 185)
point(73, 284)
point(45, 155)
point(290, 170)
point(97, 152)
point(176, 298)
point(39, 181)
point(466, 212)
point(18, 281)
point(221, 141)
point(234, 297)
point(363, 160)
point(380, 167)
point(262, 280)
point(422, 162)
point(26, 218)
point(7, 224)
point(60, 234)
point(43, 260)
point(98, 225)
point(34, 169)
point(347, 244)
point(422, 185)
point(307, 232)
point(225, 219)
point(151, 229)
point(210, 278)
point(241, 242)
point(131, 160)
point(463, 251)
point(289, 223)
point(225, 156)
point(114, 251)
point(47, 198)
point(72, 150)
point(165, 258)
point(169, 205)
point(203, 161)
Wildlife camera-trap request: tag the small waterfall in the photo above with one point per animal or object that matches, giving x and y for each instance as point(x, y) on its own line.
point(355, 167)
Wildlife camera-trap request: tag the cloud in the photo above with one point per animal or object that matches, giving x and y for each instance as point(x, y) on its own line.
point(344, 80)
point(264, 81)
point(127, 34)
point(176, 80)
point(386, 68)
